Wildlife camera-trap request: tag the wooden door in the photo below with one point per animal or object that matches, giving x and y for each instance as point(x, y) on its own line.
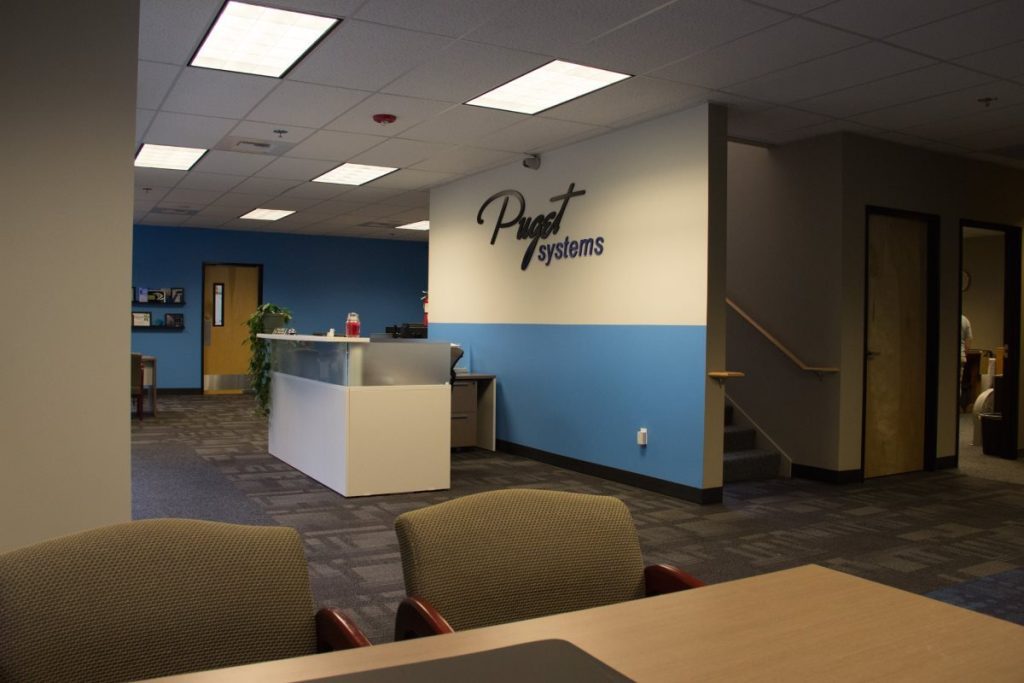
point(230, 295)
point(896, 353)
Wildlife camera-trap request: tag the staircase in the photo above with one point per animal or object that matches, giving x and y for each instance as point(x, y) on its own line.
point(742, 459)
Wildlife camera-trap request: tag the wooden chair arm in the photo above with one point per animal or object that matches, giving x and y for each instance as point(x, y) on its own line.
point(664, 578)
point(335, 631)
point(417, 618)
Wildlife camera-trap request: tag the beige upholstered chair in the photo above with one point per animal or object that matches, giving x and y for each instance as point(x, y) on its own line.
point(138, 394)
point(514, 554)
point(159, 597)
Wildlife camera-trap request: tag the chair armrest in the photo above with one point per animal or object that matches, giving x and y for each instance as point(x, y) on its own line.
point(335, 631)
point(417, 618)
point(664, 578)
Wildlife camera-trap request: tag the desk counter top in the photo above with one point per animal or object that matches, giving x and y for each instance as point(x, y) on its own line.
point(315, 338)
point(804, 624)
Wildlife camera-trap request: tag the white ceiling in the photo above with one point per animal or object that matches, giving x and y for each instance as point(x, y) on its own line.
point(912, 71)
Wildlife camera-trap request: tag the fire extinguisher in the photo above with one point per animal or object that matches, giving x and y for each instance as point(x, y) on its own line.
point(426, 307)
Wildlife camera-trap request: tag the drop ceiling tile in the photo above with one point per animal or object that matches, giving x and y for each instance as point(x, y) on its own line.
point(878, 18)
point(239, 201)
point(980, 29)
point(340, 217)
point(408, 110)
point(325, 8)
point(768, 124)
point(412, 215)
point(195, 197)
point(463, 125)
point(143, 117)
point(160, 219)
point(465, 160)
point(1006, 61)
point(366, 56)
point(214, 182)
point(150, 194)
point(208, 92)
point(456, 18)
point(154, 80)
point(759, 53)
point(985, 121)
point(844, 69)
point(369, 194)
point(678, 30)
point(258, 130)
point(887, 92)
point(200, 221)
point(333, 145)
point(794, 6)
point(157, 177)
point(627, 100)
point(947, 106)
point(295, 169)
point(415, 199)
point(317, 191)
point(543, 26)
point(400, 153)
point(187, 130)
point(231, 163)
point(372, 211)
point(265, 186)
point(539, 133)
point(410, 179)
point(287, 202)
point(305, 104)
point(464, 70)
point(171, 31)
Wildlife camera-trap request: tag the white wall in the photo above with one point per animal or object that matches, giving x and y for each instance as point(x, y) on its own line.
point(589, 349)
point(65, 260)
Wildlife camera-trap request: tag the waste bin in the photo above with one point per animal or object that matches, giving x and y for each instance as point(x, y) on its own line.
point(991, 433)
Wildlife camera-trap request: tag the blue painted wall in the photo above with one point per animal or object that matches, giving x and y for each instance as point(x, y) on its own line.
point(584, 390)
point(320, 279)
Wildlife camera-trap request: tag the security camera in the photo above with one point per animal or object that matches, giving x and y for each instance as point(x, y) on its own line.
point(532, 162)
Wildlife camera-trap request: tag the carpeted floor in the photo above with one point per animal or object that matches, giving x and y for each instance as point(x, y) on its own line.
point(975, 463)
point(959, 538)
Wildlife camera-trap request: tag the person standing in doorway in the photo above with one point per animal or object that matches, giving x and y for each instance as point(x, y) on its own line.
point(966, 336)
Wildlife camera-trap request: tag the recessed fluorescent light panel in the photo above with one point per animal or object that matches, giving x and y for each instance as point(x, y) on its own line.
point(548, 86)
point(419, 225)
point(354, 174)
point(259, 40)
point(165, 156)
point(267, 214)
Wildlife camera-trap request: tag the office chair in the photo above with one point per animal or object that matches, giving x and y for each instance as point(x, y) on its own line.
point(502, 556)
point(159, 597)
point(138, 383)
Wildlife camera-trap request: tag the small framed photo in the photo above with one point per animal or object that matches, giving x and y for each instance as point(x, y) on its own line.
point(141, 319)
point(142, 295)
point(177, 295)
point(157, 296)
point(174, 319)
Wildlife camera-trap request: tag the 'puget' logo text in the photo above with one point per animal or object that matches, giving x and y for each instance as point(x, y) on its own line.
point(540, 227)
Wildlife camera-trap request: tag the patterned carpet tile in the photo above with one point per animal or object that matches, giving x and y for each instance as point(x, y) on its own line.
point(924, 532)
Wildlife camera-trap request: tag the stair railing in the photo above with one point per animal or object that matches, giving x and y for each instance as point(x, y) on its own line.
point(819, 371)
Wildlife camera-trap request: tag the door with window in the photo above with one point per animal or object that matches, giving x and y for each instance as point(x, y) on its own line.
point(230, 295)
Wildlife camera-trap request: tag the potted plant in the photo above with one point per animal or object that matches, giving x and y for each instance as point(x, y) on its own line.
point(266, 318)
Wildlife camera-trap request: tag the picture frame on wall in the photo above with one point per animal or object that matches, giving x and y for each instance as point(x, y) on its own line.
point(177, 295)
point(142, 295)
point(174, 320)
point(157, 296)
point(141, 319)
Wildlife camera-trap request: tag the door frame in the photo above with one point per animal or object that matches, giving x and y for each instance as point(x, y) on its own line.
point(1011, 322)
point(931, 386)
point(202, 305)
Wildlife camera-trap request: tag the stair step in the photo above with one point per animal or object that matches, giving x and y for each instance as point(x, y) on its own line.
point(739, 438)
point(750, 465)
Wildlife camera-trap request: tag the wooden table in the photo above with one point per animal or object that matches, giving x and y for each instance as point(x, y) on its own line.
point(808, 623)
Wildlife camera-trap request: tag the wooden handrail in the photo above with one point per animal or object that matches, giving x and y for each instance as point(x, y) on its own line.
point(768, 335)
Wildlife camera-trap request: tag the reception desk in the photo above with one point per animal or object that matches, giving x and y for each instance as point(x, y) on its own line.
point(362, 417)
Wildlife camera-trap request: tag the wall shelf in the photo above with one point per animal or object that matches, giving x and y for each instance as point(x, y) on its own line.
point(157, 328)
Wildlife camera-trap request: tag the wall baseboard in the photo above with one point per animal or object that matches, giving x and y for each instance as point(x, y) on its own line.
point(829, 476)
point(641, 481)
point(178, 392)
